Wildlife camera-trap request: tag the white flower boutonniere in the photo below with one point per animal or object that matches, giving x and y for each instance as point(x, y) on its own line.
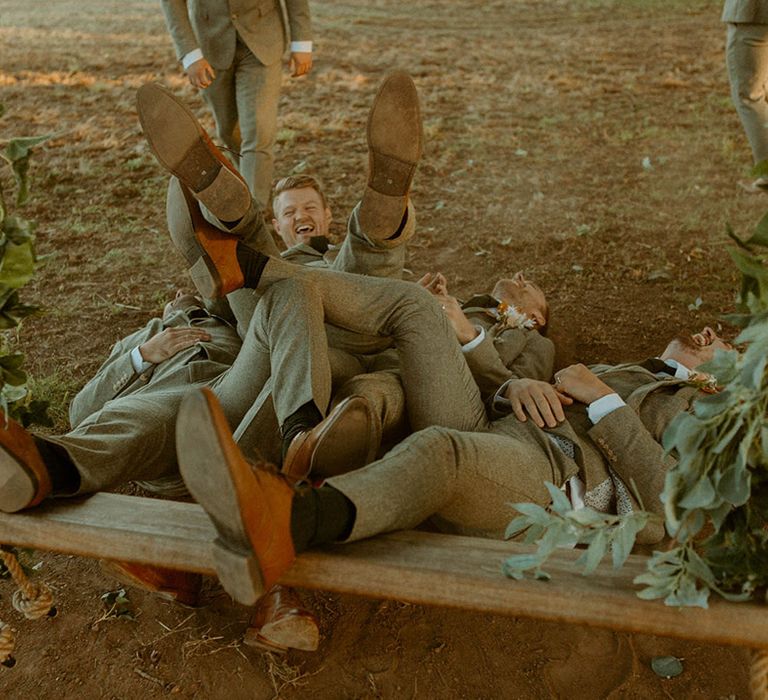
point(510, 317)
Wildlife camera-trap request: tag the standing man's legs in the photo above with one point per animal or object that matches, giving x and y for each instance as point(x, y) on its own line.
point(257, 91)
point(244, 100)
point(746, 57)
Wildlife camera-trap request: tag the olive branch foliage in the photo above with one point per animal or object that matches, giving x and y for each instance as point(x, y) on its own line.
point(715, 496)
point(18, 263)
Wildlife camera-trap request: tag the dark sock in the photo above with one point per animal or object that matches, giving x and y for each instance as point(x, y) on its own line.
point(65, 479)
point(305, 417)
point(401, 226)
point(252, 263)
point(320, 516)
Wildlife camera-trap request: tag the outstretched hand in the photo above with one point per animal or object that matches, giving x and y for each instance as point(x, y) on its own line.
point(435, 283)
point(171, 341)
point(537, 399)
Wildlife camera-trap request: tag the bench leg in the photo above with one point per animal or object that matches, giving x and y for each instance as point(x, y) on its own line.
point(758, 680)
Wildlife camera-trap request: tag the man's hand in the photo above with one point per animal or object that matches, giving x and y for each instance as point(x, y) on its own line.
point(539, 400)
point(464, 328)
point(580, 383)
point(435, 283)
point(201, 74)
point(170, 341)
point(300, 63)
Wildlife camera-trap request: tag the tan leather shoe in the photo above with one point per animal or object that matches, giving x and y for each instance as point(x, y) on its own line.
point(24, 478)
point(395, 145)
point(250, 505)
point(345, 440)
point(281, 622)
point(183, 147)
point(211, 254)
point(179, 586)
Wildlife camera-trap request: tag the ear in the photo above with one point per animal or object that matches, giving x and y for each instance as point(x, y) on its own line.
point(539, 318)
point(274, 225)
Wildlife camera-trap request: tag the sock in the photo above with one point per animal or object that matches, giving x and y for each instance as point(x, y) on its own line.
point(65, 479)
point(305, 417)
point(252, 263)
point(320, 516)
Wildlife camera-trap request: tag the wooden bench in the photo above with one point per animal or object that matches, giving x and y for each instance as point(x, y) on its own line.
point(417, 567)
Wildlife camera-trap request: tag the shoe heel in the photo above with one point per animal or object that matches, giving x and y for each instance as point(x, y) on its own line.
point(239, 573)
point(205, 278)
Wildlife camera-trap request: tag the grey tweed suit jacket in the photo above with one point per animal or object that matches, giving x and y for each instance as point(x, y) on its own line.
point(213, 25)
point(745, 12)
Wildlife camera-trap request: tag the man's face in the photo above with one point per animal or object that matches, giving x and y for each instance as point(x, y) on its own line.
point(696, 349)
point(300, 215)
point(183, 300)
point(524, 295)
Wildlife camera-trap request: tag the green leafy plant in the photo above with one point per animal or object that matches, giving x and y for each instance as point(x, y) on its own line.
point(715, 496)
point(18, 263)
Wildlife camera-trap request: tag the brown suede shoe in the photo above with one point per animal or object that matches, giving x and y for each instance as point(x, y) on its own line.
point(394, 149)
point(345, 440)
point(24, 478)
point(250, 506)
point(210, 253)
point(179, 586)
point(183, 147)
point(281, 622)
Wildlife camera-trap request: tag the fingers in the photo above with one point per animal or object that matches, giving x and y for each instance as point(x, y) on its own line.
point(538, 401)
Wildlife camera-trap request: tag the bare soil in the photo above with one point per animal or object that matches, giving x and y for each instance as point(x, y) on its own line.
point(591, 143)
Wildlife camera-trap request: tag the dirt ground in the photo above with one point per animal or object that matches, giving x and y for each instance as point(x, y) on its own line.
point(591, 143)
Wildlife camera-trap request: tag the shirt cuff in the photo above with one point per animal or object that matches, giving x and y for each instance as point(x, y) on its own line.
point(139, 363)
point(472, 344)
point(188, 59)
point(301, 47)
point(603, 406)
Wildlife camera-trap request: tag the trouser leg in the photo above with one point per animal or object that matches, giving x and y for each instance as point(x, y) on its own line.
point(131, 438)
point(438, 384)
point(464, 481)
point(747, 62)
point(371, 256)
point(286, 340)
point(257, 90)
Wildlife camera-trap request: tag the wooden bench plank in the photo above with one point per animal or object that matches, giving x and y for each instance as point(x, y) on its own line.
point(418, 567)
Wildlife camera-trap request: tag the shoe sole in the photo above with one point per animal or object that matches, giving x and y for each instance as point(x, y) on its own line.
point(349, 442)
point(184, 149)
point(394, 149)
point(212, 480)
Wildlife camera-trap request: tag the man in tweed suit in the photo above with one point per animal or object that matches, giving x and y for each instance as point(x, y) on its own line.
point(746, 54)
point(596, 432)
point(232, 49)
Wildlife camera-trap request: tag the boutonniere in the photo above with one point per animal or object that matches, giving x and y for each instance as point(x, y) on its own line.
point(509, 317)
point(703, 381)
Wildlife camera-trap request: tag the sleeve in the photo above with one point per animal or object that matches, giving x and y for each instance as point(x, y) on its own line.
point(299, 22)
point(636, 457)
point(113, 376)
point(179, 27)
point(511, 355)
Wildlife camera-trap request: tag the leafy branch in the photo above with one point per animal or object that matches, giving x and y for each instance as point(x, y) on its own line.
point(560, 526)
point(18, 263)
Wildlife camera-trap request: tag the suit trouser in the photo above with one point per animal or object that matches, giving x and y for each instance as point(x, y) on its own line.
point(439, 387)
point(244, 100)
point(464, 482)
point(746, 56)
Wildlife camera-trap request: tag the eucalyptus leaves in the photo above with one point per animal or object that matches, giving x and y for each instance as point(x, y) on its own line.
point(17, 266)
point(715, 496)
